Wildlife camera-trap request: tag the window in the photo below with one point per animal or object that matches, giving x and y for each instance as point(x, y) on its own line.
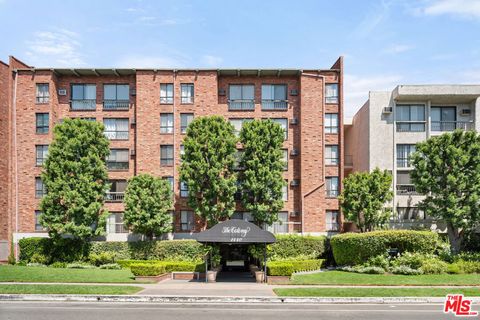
point(404, 183)
point(410, 213)
point(118, 159)
point(280, 226)
point(42, 123)
point(182, 152)
point(331, 92)
point(285, 191)
point(43, 94)
point(285, 159)
point(245, 216)
point(331, 155)
point(166, 155)
point(116, 128)
point(274, 97)
point(185, 119)
point(283, 122)
point(84, 96)
point(238, 192)
point(187, 220)
point(40, 189)
point(238, 123)
point(171, 182)
point(443, 118)
point(41, 152)
point(331, 123)
point(166, 93)
point(38, 225)
point(332, 186)
point(115, 223)
point(117, 190)
point(332, 220)
point(410, 118)
point(183, 189)
point(166, 122)
point(116, 97)
point(241, 97)
point(238, 157)
point(404, 151)
point(187, 93)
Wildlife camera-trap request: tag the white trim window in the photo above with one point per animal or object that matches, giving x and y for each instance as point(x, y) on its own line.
point(331, 123)
point(42, 93)
point(331, 155)
point(187, 93)
point(166, 93)
point(166, 122)
point(116, 128)
point(331, 93)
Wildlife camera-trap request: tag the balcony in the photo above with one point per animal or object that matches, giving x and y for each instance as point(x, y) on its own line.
point(86, 104)
point(116, 105)
point(234, 105)
point(116, 135)
point(274, 104)
point(114, 196)
point(406, 190)
point(445, 126)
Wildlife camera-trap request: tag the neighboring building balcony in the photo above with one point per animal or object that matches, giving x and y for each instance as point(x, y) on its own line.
point(235, 105)
point(274, 104)
point(285, 227)
point(406, 190)
point(85, 104)
point(116, 105)
point(445, 126)
point(114, 196)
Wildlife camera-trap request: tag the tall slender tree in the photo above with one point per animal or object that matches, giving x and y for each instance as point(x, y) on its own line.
point(76, 179)
point(207, 168)
point(262, 168)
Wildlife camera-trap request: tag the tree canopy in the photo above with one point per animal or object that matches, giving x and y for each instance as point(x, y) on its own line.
point(447, 171)
point(207, 168)
point(76, 180)
point(364, 196)
point(148, 204)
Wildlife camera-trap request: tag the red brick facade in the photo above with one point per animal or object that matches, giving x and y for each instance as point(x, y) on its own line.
point(306, 135)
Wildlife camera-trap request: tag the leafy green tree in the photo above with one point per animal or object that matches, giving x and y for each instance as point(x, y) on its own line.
point(148, 202)
point(75, 176)
point(447, 171)
point(262, 169)
point(364, 196)
point(207, 168)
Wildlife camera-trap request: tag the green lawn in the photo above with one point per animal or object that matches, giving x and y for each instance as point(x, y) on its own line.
point(44, 274)
point(66, 289)
point(350, 278)
point(373, 292)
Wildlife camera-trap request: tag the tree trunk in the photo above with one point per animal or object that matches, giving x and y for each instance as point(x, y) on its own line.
point(455, 236)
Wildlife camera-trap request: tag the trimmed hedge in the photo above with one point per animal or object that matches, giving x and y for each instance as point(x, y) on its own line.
point(147, 269)
point(356, 248)
point(169, 266)
point(286, 268)
point(64, 250)
point(292, 246)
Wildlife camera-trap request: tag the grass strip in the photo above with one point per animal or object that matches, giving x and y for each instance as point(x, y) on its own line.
point(374, 292)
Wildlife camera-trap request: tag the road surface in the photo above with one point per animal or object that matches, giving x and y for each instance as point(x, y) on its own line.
point(151, 311)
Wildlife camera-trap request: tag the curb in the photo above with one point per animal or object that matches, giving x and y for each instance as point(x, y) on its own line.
point(222, 299)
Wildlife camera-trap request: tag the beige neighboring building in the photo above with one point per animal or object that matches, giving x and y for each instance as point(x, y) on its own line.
point(383, 134)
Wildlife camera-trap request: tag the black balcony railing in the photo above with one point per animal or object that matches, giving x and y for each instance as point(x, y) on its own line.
point(86, 104)
point(406, 189)
point(114, 196)
point(241, 105)
point(274, 104)
point(410, 126)
point(116, 104)
point(442, 126)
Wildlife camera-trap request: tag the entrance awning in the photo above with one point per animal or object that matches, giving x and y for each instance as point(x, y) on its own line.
point(235, 231)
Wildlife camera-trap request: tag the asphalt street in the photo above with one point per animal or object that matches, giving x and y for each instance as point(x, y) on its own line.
point(137, 311)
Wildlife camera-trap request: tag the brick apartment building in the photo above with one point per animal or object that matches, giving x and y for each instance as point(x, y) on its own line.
point(146, 111)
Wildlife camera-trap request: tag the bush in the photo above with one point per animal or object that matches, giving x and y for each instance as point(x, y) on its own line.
point(434, 266)
point(462, 266)
point(378, 261)
point(468, 256)
point(79, 265)
point(288, 247)
point(170, 266)
point(412, 260)
point(58, 264)
point(111, 266)
point(286, 268)
point(36, 264)
point(147, 269)
point(406, 270)
point(356, 248)
point(39, 258)
point(369, 270)
point(98, 259)
point(64, 249)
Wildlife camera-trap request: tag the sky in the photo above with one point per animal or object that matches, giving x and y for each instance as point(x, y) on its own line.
point(384, 42)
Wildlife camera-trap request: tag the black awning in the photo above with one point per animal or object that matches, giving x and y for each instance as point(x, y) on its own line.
point(235, 231)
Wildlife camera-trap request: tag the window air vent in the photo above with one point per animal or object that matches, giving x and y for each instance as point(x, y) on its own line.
point(387, 110)
point(466, 112)
point(294, 92)
point(294, 152)
point(62, 92)
point(294, 213)
point(295, 182)
point(221, 92)
point(294, 121)
point(132, 152)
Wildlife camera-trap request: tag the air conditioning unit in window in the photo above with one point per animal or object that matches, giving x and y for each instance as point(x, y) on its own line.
point(133, 122)
point(294, 152)
point(466, 112)
point(387, 110)
point(132, 152)
point(133, 92)
point(294, 213)
point(221, 92)
point(62, 92)
point(294, 121)
point(294, 92)
point(295, 182)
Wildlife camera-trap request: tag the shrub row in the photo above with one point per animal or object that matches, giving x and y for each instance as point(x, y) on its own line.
point(46, 251)
point(287, 267)
point(355, 248)
point(164, 266)
point(288, 247)
point(147, 269)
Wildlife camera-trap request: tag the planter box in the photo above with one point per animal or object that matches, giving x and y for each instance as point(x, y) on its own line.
point(278, 279)
point(185, 275)
point(153, 278)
